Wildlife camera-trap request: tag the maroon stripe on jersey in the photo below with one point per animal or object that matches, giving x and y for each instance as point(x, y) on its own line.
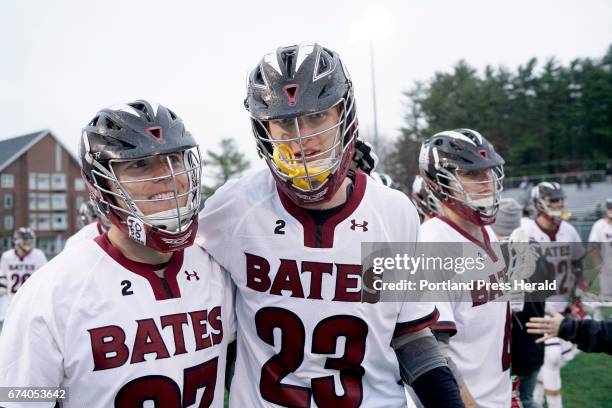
point(329, 226)
point(147, 271)
point(485, 235)
point(445, 327)
point(552, 233)
point(416, 325)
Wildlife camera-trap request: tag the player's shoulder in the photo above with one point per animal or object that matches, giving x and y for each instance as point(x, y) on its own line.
point(8, 253)
point(383, 192)
point(251, 185)
point(599, 224)
point(238, 194)
point(39, 253)
point(390, 200)
point(70, 266)
point(435, 229)
point(568, 228)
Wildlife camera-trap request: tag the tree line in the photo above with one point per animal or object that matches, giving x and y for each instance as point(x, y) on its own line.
point(542, 118)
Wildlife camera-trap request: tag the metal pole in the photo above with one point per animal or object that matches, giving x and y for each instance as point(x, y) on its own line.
point(375, 141)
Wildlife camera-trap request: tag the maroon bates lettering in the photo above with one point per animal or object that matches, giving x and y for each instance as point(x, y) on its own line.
point(484, 295)
point(109, 349)
point(287, 278)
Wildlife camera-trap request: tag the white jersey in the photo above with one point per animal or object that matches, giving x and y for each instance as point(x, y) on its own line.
point(17, 270)
point(561, 247)
point(116, 334)
point(88, 232)
point(305, 338)
point(480, 330)
point(602, 234)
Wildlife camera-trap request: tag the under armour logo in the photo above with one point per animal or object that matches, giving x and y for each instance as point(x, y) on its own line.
point(192, 275)
point(363, 226)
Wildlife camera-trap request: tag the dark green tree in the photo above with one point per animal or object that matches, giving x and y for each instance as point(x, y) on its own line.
point(222, 166)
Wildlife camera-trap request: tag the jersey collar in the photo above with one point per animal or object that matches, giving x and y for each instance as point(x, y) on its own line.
point(552, 233)
point(486, 245)
point(329, 226)
point(162, 292)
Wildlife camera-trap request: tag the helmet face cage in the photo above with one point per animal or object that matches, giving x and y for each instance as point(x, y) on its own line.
point(87, 214)
point(445, 160)
point(308, 173)
point(453, 188)
point(172, 221)
point(424, 200)
point(24, 239)
point(543, 193)
point(288, 85)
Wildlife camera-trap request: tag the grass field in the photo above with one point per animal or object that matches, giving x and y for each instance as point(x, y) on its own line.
point(587, 381)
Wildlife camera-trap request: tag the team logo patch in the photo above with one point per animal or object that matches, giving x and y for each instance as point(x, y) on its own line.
point(363, 225)
point(192, 275)
point(136, 230)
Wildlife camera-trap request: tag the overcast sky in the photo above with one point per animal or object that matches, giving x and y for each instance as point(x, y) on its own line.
point(61, 61)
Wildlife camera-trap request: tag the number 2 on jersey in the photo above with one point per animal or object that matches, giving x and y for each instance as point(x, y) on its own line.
point(291, 356)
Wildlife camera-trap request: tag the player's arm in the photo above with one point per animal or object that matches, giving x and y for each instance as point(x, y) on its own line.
point(30, 355)
point(595, 249)
point(443, 338)
point(425, 369)
point(3, 278)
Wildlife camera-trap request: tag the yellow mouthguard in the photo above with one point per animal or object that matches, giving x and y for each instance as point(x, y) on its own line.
point(285, 160)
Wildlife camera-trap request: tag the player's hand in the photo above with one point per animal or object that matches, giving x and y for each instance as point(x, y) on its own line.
point(584, 284)
point(548, 326)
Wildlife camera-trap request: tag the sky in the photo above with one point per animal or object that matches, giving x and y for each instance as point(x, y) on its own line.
point(62, 60)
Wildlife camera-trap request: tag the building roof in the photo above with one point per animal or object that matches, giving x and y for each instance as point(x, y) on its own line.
point(11, 149)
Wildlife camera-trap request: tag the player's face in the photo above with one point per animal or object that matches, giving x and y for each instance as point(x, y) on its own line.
point(477, 183)
point(318, 133)
point(150, 179)
point(554, 204)
point(26, 245)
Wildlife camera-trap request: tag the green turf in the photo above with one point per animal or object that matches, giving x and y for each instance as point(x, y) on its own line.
point(587, 381)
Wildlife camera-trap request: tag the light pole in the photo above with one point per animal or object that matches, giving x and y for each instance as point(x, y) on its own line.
point(375, 141)
point(374, 23)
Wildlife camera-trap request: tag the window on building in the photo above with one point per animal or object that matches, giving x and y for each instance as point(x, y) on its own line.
point(32, 177)
point(43, 222)
point(58, 181)
point(33, 221)
point(43, 181)
point(79, 184)
point(44, 201)
point(8, 201)
point(58, 202)
point(33, 201)
point(8, 181)
point(8, 222)
point(59, 222)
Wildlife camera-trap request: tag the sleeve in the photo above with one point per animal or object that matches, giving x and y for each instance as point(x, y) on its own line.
point(3, 279)
point(31, 355)
point(217, 223)
point(589, 335)
point(594, 234)
point(413, 316)
point(578, 250)
point(231, 306)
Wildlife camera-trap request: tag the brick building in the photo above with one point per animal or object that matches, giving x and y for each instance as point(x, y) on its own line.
point(40, 186)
